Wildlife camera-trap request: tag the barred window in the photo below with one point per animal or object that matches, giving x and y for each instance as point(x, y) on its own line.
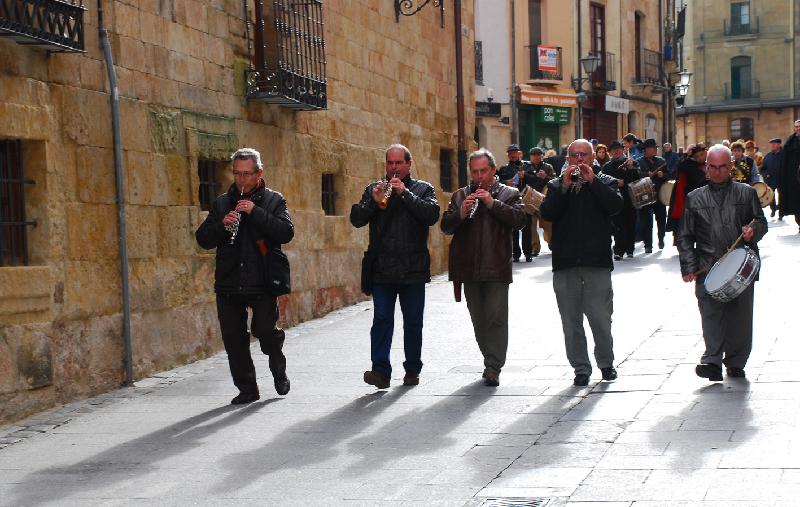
point(742, 128)
point(13, 223)
point(208, 172)
point(479, 63)
point(328, 194)
point(446, 169)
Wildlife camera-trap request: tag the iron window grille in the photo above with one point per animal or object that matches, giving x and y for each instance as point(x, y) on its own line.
point(649, 67)
point(479, 63)
point(328, 194)
point(13, 224)
point(742, 128)
point(446, 169)
point(55, 25)
point(603, 77)
point(288, 58)
point(210, 186)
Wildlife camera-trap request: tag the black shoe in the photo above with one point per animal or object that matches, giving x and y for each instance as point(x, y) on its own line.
point(374, 378)
point(516, 259)
point(282, 385)
point(773, 214)
point(528, 259)
point(710, 371)
point(661, 244)
point(411, 380)
point(735, 372)
point(617, 257)
point(609, 373)
point(535, 254)
point(581, 380)
point(244, 398)
point(648, 250)
point(491, 378)
point(630, 255)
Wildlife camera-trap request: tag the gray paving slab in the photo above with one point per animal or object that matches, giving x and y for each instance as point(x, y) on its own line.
point(656, 436)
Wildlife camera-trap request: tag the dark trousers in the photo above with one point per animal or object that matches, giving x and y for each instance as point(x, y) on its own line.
point(527, 240)
point(412, 305)
point(232, 314)
point(646, 223)
point(727, 327)
point(624, 229)
point(487, 303)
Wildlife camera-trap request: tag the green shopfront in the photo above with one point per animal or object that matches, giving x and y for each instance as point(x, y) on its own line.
point(540, 126)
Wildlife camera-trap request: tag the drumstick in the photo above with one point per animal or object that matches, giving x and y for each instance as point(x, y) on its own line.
point(701, 271)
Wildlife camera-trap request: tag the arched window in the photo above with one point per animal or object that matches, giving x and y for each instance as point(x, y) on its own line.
point(651, 127)
point(742, 128)
point(741, 79)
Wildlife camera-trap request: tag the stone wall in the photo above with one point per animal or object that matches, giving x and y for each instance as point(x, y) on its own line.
point(180, 66)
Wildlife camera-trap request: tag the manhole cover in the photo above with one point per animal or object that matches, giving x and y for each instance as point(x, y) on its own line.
point(514, 502)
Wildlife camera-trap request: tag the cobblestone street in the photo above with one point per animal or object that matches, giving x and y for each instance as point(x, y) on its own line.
point(658, 435)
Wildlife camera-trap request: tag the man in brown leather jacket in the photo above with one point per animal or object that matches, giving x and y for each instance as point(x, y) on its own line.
point(714, 217)
point(480, 255)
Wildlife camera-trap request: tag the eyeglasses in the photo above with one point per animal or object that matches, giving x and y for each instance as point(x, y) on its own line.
point(581, 154)
point(717, 167)
point(237, 174)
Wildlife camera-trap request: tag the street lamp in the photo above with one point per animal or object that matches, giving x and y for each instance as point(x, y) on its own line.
point(589, 64)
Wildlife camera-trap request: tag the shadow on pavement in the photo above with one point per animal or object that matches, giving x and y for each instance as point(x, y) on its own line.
point(306, 442)
point(418, 431)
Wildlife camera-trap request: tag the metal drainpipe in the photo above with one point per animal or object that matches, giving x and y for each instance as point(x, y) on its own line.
point(514, 105)
point(123, 240)
point(462, 136)
point(577, 59)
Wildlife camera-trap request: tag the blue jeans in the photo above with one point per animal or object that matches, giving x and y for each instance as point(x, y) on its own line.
point(412, 304)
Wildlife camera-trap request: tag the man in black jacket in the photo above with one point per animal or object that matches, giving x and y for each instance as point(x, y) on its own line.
point(788, 180)
point(714, 217)
point(518, 173)
point(581, 208)
point(625, 170)
point(655, 168)
point(242, 225)
point(398, 243)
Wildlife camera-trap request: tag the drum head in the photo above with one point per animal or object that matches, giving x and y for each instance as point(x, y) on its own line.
point(665, 192)
point(725, 269)
point(761, 189)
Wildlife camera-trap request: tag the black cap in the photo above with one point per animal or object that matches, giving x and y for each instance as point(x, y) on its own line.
point(593, 141)
point(536, 151)
point(776, 140)
point(695, 149)
point(649, 143)
point(512, 147)
point(614, 145)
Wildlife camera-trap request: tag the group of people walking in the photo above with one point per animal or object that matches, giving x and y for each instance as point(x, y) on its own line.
point(581, 205)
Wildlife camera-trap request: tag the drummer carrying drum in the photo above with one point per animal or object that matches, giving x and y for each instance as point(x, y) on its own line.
point(716, 217)
point(655, 168)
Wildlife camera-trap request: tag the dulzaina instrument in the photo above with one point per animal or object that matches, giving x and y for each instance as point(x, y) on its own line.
point(387, 193)
point(733, 273)
point(475, 204)
point(233, 228)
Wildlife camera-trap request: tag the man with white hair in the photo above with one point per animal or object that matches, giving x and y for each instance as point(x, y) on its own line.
point(714, 217)
point(580, 204)
point(243, 225)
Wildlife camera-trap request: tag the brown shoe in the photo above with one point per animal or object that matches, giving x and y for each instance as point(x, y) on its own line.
point(374, 378)
point(491, 378)
point(411, 380)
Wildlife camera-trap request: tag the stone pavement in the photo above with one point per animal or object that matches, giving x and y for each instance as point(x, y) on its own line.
point(657, 436)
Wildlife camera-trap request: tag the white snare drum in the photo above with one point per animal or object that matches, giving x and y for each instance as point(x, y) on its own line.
point(765, 193)
point(642, 192)
point(732, 274)
point(531, 200)
point(665, 192)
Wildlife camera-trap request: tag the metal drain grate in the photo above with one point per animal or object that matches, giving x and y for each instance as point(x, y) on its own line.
point(515, 502)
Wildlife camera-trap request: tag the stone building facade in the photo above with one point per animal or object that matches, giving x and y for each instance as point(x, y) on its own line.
point(744, 56)
point(181, 73)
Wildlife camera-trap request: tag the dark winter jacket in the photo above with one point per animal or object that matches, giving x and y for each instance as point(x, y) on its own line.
point(582, 222)
point(402, 250)
point(240, 266)
point(713, 219)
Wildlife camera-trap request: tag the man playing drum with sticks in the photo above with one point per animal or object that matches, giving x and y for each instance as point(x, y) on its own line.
point(714, 216)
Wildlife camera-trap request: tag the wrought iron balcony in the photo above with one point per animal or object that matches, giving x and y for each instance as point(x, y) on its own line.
point(736, 27)
point(54, 25)
point(543, 66)
point(288, 61)
point(603, 77)
point(742, 90)
point(649, 69)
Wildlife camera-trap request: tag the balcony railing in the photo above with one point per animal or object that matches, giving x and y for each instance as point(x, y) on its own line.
point(543, 65)
point(603, 77)
point(736, 27)
point(289, 55)
point(54, 25)
point(649, 69)
point(742, 90)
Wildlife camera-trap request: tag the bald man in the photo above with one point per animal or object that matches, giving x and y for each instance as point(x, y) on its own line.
point(714, 217)
point(580, 205)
